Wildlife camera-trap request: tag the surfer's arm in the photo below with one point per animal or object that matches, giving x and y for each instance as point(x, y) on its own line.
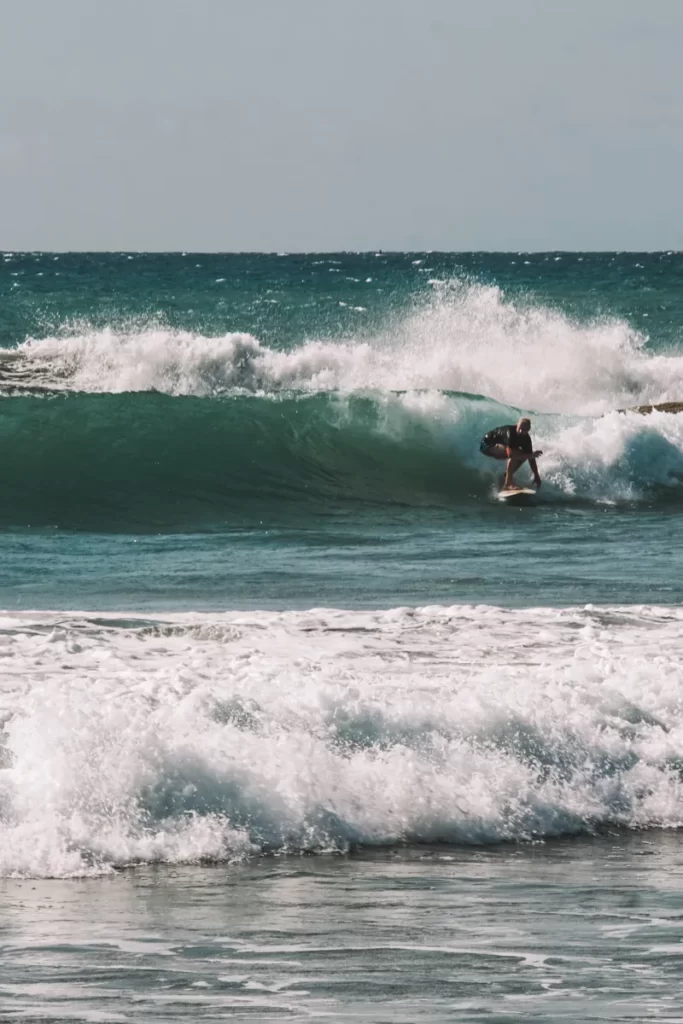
point(534, 470)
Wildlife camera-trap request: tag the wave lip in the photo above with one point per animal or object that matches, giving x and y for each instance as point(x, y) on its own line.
point(198, 737)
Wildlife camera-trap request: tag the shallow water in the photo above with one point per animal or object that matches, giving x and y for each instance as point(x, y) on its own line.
point(585, 930)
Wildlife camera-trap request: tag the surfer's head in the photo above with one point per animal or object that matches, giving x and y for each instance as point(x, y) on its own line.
point(524, 425)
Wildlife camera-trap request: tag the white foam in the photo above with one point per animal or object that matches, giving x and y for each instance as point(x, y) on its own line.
point(219, 736)
point(615, 458)
point(465, 338)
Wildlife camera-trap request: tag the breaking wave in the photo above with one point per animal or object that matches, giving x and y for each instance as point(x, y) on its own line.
point(466, 338)
point(155, 428)
point(221, 737)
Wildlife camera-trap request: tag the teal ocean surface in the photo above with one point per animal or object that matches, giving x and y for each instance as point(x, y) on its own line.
point(262, 431)
point(297, 721)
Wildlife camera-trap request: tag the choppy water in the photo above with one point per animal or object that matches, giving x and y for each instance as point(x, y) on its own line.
point(261, 603)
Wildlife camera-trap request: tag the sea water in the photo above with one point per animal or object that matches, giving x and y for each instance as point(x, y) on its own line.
point(296, 721)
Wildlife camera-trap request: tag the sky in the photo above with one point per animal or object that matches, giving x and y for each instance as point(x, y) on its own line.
point(319, 125)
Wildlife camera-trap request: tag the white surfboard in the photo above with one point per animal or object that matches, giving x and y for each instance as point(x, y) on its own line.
point(517, 496)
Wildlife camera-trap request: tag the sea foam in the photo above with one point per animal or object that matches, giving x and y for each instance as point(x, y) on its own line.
point(466, 337)
point(222, 737)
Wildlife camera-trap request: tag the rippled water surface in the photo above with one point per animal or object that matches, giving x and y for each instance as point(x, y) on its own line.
point(585, 930)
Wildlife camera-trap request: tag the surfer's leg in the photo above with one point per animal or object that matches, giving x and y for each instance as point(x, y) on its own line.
point(495, 451)
point(514, 460)
point(513, 464)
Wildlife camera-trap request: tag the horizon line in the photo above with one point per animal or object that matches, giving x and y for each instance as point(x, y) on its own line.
point(336, 252)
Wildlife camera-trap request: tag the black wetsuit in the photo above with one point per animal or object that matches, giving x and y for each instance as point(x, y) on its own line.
point(509, 437)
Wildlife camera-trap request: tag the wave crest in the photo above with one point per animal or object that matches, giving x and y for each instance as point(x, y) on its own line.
point(465, 337)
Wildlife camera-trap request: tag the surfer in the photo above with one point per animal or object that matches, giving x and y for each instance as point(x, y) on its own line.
point(512, 442)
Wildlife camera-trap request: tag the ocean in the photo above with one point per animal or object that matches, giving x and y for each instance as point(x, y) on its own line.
point(297, 720)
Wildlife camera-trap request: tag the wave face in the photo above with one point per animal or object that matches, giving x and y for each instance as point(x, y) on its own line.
point(147, 461)
point(159, 428)
point(224, 737)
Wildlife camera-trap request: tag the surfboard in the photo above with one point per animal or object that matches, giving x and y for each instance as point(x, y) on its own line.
point(517, 496)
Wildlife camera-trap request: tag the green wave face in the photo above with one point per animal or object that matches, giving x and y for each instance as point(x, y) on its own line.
point(149, 461)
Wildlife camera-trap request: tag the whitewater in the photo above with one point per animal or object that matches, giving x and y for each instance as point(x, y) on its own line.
point(460, 337)
point(201, 738)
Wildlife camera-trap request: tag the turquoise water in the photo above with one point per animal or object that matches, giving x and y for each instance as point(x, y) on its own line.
point(296, 719)
point(184, 431)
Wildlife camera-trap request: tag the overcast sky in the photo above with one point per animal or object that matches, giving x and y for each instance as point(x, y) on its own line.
point(341, 124)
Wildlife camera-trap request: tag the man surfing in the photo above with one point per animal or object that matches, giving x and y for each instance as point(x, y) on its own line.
point(512, 442)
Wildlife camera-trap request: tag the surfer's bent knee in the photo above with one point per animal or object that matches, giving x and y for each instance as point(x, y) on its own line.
point(495, 451)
